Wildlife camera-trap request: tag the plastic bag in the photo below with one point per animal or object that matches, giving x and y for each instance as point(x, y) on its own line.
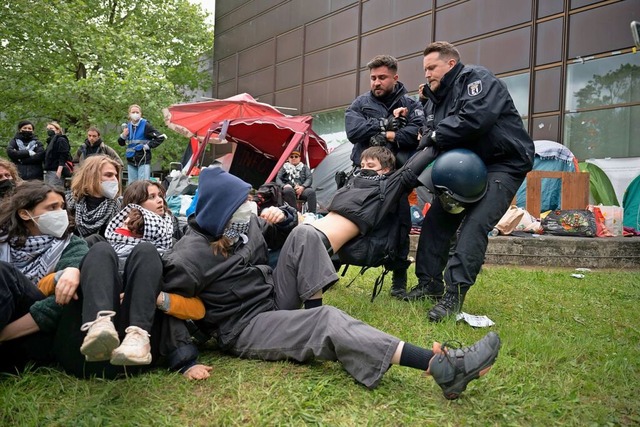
point(579, 223)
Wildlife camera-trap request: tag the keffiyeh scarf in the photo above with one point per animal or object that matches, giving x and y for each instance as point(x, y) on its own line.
point(158, 230)
point(37, 258)
point(293, 172)
point(27, 147)
point(90, 222)
point(236, 230)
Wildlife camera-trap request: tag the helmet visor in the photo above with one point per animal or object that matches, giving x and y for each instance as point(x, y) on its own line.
point(450, 204)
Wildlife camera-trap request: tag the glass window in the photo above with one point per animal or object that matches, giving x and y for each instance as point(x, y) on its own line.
point(518, 86)
point(599, 122)
point(330, 126)
point(597, 134)
point(603, 82)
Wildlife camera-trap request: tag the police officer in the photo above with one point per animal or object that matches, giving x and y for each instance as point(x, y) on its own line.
point(466, 107)
point(370, 121)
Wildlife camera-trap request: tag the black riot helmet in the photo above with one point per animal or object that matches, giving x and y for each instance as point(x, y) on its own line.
point(457, 177)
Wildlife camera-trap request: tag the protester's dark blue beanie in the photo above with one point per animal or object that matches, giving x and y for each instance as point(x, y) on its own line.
point(220, 194)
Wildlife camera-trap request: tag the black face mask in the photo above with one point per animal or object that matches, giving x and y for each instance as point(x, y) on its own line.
point(26, 134)
point(6, 186)
point(368, 172)
point(51, 132)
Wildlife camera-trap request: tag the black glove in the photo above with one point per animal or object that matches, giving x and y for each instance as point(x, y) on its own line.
point(392, 124)
point(378, 140)
point(428, 140)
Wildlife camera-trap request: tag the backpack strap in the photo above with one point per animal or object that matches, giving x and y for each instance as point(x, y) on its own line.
point(379, 283)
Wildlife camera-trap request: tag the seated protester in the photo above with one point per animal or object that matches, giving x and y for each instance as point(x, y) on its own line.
point(295, 179)
point(143, 219)
point(38, 256)
point(250, 308)
point(108, 306)
point(94, 195)
point(9, 178)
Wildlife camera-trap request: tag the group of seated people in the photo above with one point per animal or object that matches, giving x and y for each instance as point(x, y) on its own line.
point(102, 283)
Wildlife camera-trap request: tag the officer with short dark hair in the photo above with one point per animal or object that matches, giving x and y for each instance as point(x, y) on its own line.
point(465, 107)
point(370, 121)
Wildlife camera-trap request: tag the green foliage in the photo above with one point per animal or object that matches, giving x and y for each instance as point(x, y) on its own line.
point(84, 62)
point(569, 358)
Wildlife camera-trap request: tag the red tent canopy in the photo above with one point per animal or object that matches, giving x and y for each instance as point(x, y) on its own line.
point(275, 138)
point(195, 118)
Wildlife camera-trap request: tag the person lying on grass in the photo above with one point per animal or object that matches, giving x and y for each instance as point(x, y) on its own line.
point(255, 312)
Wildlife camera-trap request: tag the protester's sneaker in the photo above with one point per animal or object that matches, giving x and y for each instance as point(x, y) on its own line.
point(428, 290)
point(450, 304)
point(134, 350)
point(101, 338)
point(454, 368)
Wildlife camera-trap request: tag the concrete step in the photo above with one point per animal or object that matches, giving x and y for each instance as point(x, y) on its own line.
point(559, 251)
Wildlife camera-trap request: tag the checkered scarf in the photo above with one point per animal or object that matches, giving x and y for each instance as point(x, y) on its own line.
point(235, 230)
point(293, 172)
point(37, 258)
point(90, 222)
point(157, 230)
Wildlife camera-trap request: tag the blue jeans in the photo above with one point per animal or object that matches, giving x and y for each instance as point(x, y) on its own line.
point(138, 173)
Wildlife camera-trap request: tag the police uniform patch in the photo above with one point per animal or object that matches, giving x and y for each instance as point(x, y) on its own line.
point(474, 88)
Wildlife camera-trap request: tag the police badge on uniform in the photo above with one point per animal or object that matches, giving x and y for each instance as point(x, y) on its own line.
point(474, 88)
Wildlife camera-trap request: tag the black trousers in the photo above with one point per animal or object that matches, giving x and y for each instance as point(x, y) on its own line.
point(474, 224)
point(309, 194)
point(17, 293)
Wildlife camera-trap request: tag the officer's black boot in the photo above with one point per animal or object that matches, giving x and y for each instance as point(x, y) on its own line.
point(423, 290)
point(399, 283)
point(449, 305)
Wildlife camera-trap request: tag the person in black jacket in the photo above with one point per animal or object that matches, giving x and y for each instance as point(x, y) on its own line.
point(466, 107)
point(56, 155)
point(26, 152)
point(295, 178)
point(139, 137)
point(370, 121)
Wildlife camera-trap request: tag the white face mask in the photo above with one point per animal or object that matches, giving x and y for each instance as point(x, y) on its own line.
point(53, 223)
point(243, 214)
point(134, 116)
point(109, 189)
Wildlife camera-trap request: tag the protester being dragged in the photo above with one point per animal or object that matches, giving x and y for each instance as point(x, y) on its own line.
point(26, 151)
point(9, 178)
point(93, 200)
point(94, 145)
point(56, 155)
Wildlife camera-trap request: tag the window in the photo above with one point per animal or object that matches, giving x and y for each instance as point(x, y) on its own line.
point(518, 86)
point(330, 126)
point(602, 111)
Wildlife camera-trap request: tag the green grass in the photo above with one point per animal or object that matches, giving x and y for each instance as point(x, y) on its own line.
point(570, 356)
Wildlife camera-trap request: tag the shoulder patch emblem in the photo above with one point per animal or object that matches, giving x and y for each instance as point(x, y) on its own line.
point(474, 88)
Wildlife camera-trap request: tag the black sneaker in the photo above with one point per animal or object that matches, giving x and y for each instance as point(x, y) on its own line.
point(428, 290)
point(454, 368)
point(450, 304)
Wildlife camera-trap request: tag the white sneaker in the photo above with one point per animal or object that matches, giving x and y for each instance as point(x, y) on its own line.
point(134, 350)
point(101, 338)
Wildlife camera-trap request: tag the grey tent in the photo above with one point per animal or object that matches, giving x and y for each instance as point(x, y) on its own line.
point(324, 174)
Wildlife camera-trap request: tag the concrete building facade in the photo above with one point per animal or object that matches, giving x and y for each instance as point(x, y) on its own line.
point(570, 65)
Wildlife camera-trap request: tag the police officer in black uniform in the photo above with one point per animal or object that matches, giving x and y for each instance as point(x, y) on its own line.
point(466, 107)
point(370, 121)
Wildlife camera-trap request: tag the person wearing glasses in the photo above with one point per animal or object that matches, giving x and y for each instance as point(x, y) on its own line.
point(295, 179)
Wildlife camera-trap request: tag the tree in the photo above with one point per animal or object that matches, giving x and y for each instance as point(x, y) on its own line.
point(83, 62)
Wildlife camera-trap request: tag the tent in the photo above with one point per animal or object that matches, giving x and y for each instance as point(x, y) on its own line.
point(600, 189)
point(324, 174)
point(631, 205)
point(265, 143)
point(549, 156)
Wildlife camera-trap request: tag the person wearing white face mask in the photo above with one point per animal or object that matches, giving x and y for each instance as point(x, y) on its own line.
point(139, 137)
point(94, 200)
point(38, 256)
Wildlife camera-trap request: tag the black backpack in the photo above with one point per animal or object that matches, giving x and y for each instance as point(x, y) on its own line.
point(269, 194)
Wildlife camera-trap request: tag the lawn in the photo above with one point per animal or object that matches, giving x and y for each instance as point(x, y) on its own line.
point(570, 356)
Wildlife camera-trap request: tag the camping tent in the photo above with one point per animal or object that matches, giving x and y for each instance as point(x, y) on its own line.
point(600, 189)
point(324, 174)
point(549, 156)
point(631, 205)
